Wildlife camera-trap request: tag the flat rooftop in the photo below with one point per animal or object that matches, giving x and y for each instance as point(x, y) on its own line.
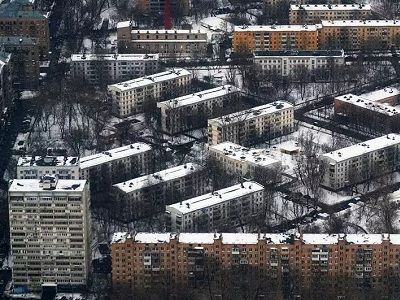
point(240, 153)
point(368, 104)
point(148, 80)
point(297, 53)
point(17, 40)
point(199, 97)
point(364, 147)
point(34, 185)
point(158, 177)
point(382, 94)
point(113, 57)
point(254, 238)
point(48, 161)
point(113, 154)
point(360, 23)
point(252, 113)
point(323, 7)
point(282, 28)
point(217, 197)
point(163, 31)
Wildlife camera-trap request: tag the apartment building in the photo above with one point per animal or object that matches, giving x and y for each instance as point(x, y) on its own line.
point(152, 7)
point(49, 232)
point(116, 165)
point(19, 18)
point(245, 162)
point(6, 74)
point(128, 97)
point(358, 34)
point(169, 44)
point(35, 167)
point(25, 63)
point(315, 13)
point(361, 162)
point(289, 62)
point(389, 95)
point(372, 114)
point(149, 260)
point(147, 195)
point(110, 68)
point(275, 37)
point(192, 111)
point(250, 126)
point(223, 209)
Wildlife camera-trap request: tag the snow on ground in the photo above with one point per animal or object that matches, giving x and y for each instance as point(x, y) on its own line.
point(220, 75)
point(25, 95)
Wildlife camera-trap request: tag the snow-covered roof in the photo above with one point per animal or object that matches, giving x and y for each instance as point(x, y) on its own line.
point(34, 185)
point(163, 31)
point(47, 161)
point(148, 80)
point(364, 147)
point(337, 7)
point(217, 197)
point(113, 154)
point(240, 153)
point(382, 94)
point(124, 24)
point(254, 238)
point(282, 28)
point(370, 105)
point(112, 57)
point(199, 97)
point(158, 177)
point(360, 23)
point(252, 113)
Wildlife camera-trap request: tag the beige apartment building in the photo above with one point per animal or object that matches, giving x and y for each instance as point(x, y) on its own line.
point(361, 162)
point(315, 13)
point(245, 162)
point(253, 125)
point(147, 195)
point(169, 44)
point(129, 97)
point(274, 262)
point(192, 111)
point(49, 232)
point(225, 209)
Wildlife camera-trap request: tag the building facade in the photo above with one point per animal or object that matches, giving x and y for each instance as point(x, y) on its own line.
point(252, 125)
point(49, 232)
point(169, 44)
point(361, 162)
point(315, 13)
point(18, 18)
point(192, 111)
point(129, 97)
point(110, 68)
point(371, 114)
point(287, 63)
point(147, 195)
point(275, 37)
point(245, 162)
point(6, 81)
point(359, 34)
point(279, 261)
point(152, 7)
point(25, 62)
point(34, 167)
point(223, 209)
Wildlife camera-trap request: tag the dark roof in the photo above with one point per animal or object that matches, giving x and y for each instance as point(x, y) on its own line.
point(16, 40)
point(298, 53)
point(19, 9)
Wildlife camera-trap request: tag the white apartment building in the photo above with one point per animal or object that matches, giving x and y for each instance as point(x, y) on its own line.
point(34, 167)
point(361, 162)
point(314, 13)
point(128, 97)
point(134, 160)
point(192, 111)
point(49, 232)
point(110, 68)
point(287, 62)
point(226, 208)
point(147, 195)
point(244, 162)
point(249, 126)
